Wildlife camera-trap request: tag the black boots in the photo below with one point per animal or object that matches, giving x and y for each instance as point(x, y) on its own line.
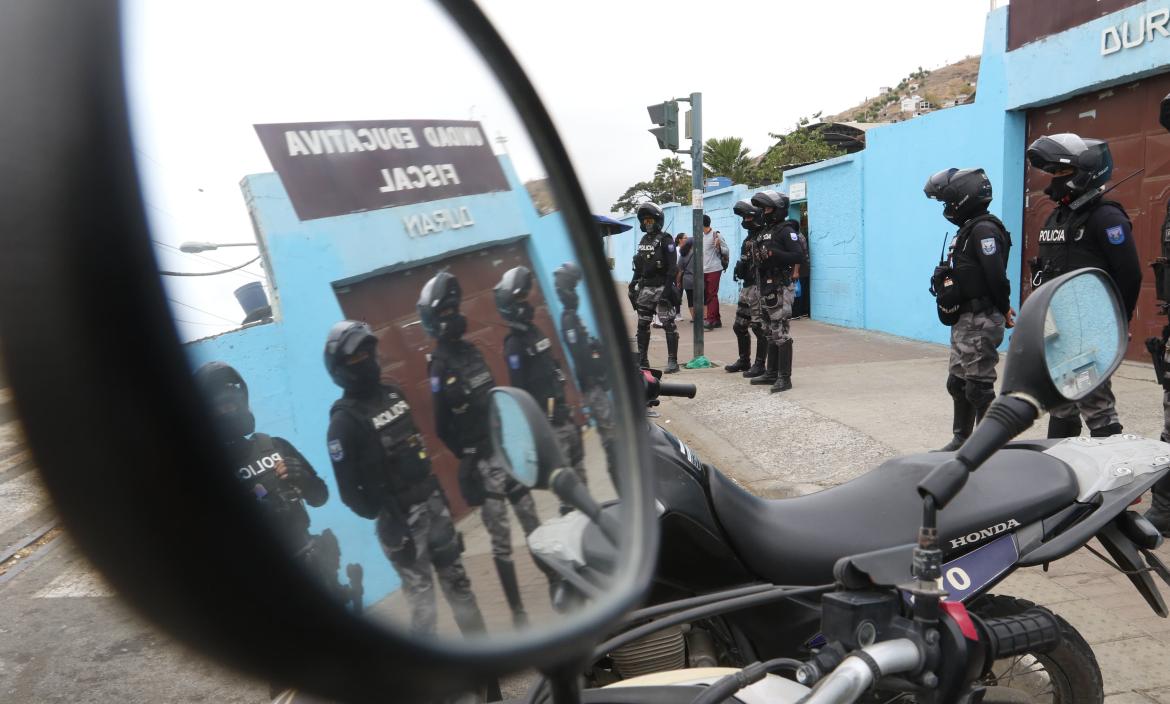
point(507, 572)
point(784, 368)
point(1064, 427)
point(770, 374)
point(1159, 513)
point(964, 423)
point(643, 348)
point(1111, 429)
point(757, 367)
point(671, 353)
point(745, 351)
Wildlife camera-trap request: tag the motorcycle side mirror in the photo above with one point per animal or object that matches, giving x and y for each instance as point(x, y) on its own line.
point(1069, 339)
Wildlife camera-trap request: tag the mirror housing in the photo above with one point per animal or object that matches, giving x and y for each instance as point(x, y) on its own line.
point(515, 411)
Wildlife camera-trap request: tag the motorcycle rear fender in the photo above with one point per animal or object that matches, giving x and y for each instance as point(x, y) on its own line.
point(1112, 504)
point(1123, 550)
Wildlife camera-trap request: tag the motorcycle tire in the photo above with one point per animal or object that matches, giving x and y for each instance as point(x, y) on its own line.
point(1070, 671)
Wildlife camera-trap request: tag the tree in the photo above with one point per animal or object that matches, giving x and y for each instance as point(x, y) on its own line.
point(671, 183)
point(727, 157)
point(800, 146)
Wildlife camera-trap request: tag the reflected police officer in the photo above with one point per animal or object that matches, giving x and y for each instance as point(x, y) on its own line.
point(1159, 513)
point(749, 310)
point(977, 293)
point(652, 284)
point(461, 384)
point(1084, 230)
point(383, 473)
point(779, 252)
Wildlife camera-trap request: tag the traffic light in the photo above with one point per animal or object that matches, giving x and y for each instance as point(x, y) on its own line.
point(665, 115)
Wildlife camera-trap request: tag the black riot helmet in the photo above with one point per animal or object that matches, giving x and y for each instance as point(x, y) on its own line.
point(778, 202)
point(650, 211)
point(227, 394)
point(751, 216)
point(512, 296)
point(565, 280)
point(438, 307)
point(351, 356)
point(1077, 165)
point(965, 193)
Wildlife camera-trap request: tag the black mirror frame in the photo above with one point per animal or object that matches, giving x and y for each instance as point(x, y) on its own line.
point(1025, 369)
point(118, 430)
point(548, 455)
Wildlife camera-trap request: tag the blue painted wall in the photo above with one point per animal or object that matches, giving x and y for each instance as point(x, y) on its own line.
point(282, 361)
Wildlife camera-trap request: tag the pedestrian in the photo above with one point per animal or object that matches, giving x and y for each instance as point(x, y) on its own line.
point(1159, 513)
point(461, 384)
point(976, 279)
point(1084, 231)
point(749, 312)
point(779, 251)
point(679, 240)
point(585, 351)
point(652, 285)
point(684, 278)
point(716, 257)
point(384, 473)
point(533, 368)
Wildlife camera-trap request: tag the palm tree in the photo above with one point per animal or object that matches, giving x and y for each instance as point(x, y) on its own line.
point(727, 157)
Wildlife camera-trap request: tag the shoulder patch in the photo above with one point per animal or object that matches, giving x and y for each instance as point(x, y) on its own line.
point(670, 247)
point(571, 336)
point(1116, 234)
point(336, 453)
point(436, 384)
point(795, 237)
point(988, 245)
point(514, 361)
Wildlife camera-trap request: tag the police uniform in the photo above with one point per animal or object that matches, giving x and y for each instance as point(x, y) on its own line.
point(591, 380)
point(655, 264)
point(461, 383)
point(384, 473)
point(532, 367)
point(779, 251)
point(749, 308)
point(979, 258)
point(281, 500)
point(1099, 235)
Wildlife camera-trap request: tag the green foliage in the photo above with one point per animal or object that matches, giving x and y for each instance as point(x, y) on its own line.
point(727, 157)
point(800, 146)
point(671, 183)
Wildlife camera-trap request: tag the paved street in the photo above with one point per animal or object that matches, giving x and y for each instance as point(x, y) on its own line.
point(860, 398)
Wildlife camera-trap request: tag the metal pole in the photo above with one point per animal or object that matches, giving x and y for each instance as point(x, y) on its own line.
point(697, 219)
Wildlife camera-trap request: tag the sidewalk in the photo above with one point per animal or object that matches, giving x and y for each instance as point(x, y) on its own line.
point(861, 397)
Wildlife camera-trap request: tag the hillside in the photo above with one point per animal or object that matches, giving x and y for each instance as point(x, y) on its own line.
point(940, 88)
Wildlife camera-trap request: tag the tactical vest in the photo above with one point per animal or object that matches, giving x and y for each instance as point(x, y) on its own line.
point(459, 373)
point(397, 462)
point(1063, 245)
point(586, 351)
point(769, 240)
point(650, 260)
point(961, 249)
point(745, 268)
point(278, 499)
point(545, 378)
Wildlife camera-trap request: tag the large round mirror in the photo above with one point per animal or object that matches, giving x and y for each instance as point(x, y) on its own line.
point(1084, 334)
point(359, 242)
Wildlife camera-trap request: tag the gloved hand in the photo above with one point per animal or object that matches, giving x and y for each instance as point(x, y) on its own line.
point(633, 287)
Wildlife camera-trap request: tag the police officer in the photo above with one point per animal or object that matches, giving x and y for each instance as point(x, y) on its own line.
point(749, 311)
point(1084, 231)
point(461, 383)
point(532, 367)
point(383, 472)
point(1159, 513)
point(585, 351)
point(652, 284)
point(779, 251)
point(978, 267)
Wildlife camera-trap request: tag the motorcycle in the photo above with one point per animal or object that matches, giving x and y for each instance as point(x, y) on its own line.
point(1031, 503)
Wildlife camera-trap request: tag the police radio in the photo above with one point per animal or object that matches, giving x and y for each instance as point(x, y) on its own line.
point(944, 288)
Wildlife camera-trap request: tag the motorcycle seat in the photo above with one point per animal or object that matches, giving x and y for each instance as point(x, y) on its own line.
point(797, 540)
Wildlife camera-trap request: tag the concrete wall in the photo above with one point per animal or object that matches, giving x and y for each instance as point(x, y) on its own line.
point(282, 361)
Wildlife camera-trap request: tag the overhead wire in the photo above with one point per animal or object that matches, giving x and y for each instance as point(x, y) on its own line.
point(209, 273)
point(200, 310)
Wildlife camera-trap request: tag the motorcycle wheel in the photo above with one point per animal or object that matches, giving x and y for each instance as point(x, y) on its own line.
point(1067, 675)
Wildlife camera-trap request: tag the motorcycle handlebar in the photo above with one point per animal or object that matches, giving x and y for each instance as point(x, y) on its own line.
point(854, 676)
point(1034, 631)
point(666, 388)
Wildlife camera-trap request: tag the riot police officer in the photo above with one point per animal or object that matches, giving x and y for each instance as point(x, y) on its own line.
point(779, 251)
point(532, 366)
point(1159, 513)
point(461, 383)
point(652, 284)
point(749, 311)
point(383, 472)
point(586, 353)
point(1084, 231)
point(977, 281)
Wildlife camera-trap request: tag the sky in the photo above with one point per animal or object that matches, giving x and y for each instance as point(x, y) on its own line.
point(201, 74)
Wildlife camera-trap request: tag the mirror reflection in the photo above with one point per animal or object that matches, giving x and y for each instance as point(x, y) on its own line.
point(515, 440)
point(1084, 335)
point(398, 252)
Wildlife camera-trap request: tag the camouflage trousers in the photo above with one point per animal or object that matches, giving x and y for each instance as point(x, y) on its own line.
point(1099, 408)
point(1165, 416)
point(433, 551)
point(501, 489)
point(749, 309)
point(974, 339)
point(601, 411)
point(651, 300)
point(568, 437)
point(777, 301)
